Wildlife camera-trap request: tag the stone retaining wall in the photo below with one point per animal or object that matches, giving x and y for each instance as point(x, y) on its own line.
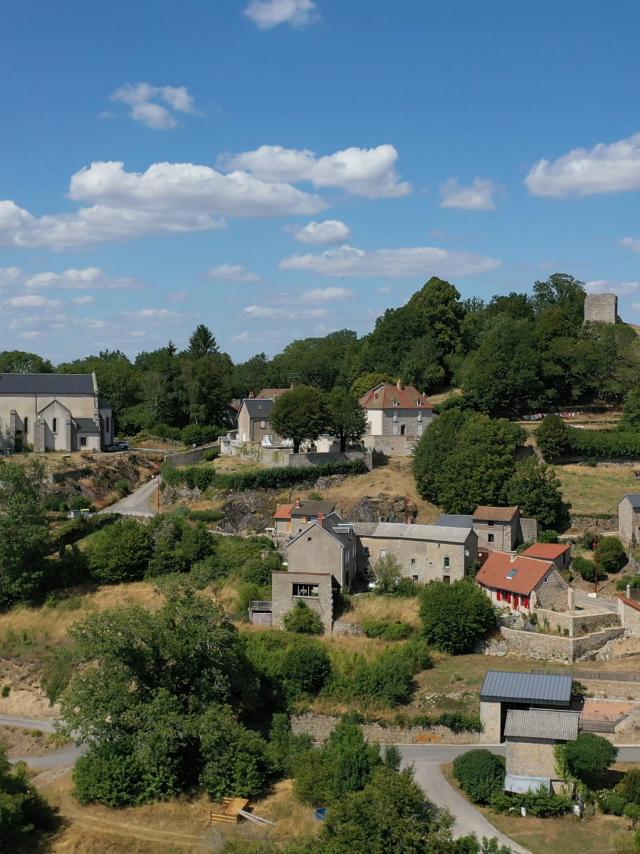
point(576, 623)
point(340, 627)
point(320, 727)
point(555, 648)
point(195, 455)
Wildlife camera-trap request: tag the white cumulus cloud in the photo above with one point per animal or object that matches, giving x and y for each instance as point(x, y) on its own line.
point(143, 100)
point(632, 243)
point(232, 273)
point(326, 295)
point(278, 313)
point(31, 301)
point(368, 172)
point(419, 261)
point(267, 14)
point(606, 168)
point(478, 196)
point(328, 231)
point(603, 286)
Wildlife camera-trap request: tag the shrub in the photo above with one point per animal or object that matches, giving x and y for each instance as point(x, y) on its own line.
point(120, 552)
point(108, 776)
point(588, 757)
point(122, 487)
point(284, 747)
point(480, 774)
point(585, 568)
point(24, 812)
point(294, 664)
point(541, 804)
point(629, 786)
point(205, 515)
point(552, 437)
point(387, 572)
point(610, 555)
point(210, 455)
point(391, 631)
point(199, 434)
point(456, 616)
point(611, 802)
point(303, 620)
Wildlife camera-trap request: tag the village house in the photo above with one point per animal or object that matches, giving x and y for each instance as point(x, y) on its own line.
point(326, 545)
point(629, 519)
point(499, 529)
point(503, 690)
point(522, 583)
point(396, 417)
point(53, 412)
point(318, 591)
point(253, 420)
point(558, 553)
point(531, 737)
point(290, 519)
point(424, 552)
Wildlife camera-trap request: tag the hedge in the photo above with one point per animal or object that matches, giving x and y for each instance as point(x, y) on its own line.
point(77, 529)
point(604, 444)
point(202, 477)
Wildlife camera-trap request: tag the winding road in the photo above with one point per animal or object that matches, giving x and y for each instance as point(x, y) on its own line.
point(142, 502)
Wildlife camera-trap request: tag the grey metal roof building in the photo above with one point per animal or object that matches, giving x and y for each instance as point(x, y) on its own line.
point(450, 520)
point(542, 724)
point(634, 500)
point(87, 425)
point(258, 407)
point(504, 686)
point(399, 530)
point(47, 384)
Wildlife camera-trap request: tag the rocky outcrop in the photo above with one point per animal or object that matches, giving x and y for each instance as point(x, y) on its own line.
point(248, 512)
point(384, 508)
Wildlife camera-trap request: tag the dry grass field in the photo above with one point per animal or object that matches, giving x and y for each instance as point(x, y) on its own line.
point(597, 489)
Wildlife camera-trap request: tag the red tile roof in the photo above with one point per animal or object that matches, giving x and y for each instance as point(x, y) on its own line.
point(272, 393)
point(521, 575)
point(385, 395)
point(546, 551)
point(483, 513)
point(283, 511)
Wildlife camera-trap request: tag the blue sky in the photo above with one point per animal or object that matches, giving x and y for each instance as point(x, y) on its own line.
point(282, 168)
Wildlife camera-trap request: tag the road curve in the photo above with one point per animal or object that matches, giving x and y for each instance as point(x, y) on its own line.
point(143, 501)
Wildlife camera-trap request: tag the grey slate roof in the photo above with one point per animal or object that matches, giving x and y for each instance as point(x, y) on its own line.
point(398, 530)
point(547, 724)
point(634, 500)
point(313, 508)
point(87, 425)
point(258, 407)
point(455, 521)
point(49, 384)
point(505, 686)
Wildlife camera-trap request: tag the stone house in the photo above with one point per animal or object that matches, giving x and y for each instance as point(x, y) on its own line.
point(53, 412)
point(531, 737)
point(503, 690)
point(425, 552)
point(316, 590)
point(558, 553)
point(521, 583)
point(290, 519)
point(396, 417)
point(629, 614)
point(629, 519)
point(253, 420)
point(326, 545)
point(498, 528)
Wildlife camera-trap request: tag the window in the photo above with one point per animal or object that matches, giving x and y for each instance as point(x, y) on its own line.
point(83, 441)
point(419, 402)
point(490, 538)
point(414, 578)
point(54, 425)
point(413, 561)
point(306, 590)
point(26, 425)
point(446, 563)
point(402, 429)
point(446, 579)
point(263, 424)
point(491, 523)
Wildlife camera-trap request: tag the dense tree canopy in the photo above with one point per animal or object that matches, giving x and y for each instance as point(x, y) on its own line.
point(456, 616)
point(300, 414)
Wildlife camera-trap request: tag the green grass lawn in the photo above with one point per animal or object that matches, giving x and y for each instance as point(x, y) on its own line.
point(566, 835)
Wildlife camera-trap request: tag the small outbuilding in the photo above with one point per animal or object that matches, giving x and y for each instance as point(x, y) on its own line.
point(531, 737)
point(558, 553)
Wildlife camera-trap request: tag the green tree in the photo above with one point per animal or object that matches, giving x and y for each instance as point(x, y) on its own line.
point(455, 617)
point(631, 410)
point(24, 532)
point(252, 376)
point(347, 420)
point(24, 814)
point(120, 552)
point(300, 414)
point(561, 291)
point(206, 382)
point(365, 382)
point(610, 555)
point(553, 438)
point(588, 758)
point(202, 342)
point(480, 773)
point(118, 380)
point(303, 620)
point(19, 362)
point(236, 762)
point(535, 488)
point(387, 572)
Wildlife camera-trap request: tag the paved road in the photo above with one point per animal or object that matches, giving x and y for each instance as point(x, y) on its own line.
point(143, 501)
point(27, 723)
point(584, 601)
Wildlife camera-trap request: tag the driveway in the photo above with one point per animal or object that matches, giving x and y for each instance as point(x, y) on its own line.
point(143, 501)
point(605, 602)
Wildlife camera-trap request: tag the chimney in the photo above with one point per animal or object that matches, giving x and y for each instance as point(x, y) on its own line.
point(571, 599)
point(514, 556)
point(251, 395)
point(297, 502)
point(399, 384)
point(321, 519)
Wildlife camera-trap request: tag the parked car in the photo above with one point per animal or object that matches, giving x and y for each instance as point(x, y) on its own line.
point(121, 446)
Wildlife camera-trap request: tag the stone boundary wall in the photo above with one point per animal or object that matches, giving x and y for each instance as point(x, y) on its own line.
point(185, 458)
point(610, 524)
point(576, 624)
point(391, 446)
point(340, 627)
point(320, 727)
point(285, 458)
point(556, 648)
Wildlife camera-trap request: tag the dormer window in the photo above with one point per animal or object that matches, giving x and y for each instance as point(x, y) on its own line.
point(396, 403)
point(419, 402)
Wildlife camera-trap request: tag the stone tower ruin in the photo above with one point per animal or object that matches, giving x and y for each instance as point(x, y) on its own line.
point(601, 308)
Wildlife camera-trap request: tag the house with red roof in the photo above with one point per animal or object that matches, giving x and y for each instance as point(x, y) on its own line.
point(629, 613)
point(396, 417)
point(290, 519)
point(558, 553)
point(521, 583)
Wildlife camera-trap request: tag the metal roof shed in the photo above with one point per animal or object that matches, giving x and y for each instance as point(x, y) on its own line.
point(504, 686)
